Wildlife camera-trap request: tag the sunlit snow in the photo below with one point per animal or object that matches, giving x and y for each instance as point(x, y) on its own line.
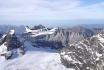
point(34, 59)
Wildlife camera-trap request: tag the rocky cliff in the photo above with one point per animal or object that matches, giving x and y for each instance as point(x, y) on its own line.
point(87, 54)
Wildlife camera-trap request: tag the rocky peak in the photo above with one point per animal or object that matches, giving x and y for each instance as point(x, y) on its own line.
point(87, 54)
point(10, 42)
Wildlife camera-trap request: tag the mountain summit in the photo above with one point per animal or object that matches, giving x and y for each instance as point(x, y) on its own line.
point(87, 54)
point(9, 44)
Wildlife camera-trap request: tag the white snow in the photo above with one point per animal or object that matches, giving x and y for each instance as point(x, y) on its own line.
point(3, 49)
point(4, 36)
point(98, 56)
point(100, 38)
point(12, 32)
point(34, 59)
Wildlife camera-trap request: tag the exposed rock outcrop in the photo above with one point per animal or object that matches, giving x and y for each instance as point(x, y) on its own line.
point(87, 54)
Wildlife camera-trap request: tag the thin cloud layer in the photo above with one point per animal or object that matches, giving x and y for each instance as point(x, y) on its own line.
point(49, 9)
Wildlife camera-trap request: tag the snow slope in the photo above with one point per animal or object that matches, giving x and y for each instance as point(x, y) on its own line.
point(34, 59)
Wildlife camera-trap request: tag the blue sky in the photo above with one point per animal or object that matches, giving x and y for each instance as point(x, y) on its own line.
point(59, 12)
point(89, 2)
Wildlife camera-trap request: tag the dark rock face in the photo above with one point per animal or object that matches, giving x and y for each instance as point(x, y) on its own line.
point(1, 34)
point(88, 54)
point(51, 44)
point(11, 42)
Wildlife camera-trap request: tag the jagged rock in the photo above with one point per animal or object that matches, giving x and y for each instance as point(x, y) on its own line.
point(87, 54)
point(62, 37)
point(70, 35)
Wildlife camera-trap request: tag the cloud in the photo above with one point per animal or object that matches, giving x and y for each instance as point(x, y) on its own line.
point(49, 9)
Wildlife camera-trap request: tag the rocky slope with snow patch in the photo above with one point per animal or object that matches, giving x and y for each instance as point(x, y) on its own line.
point(10, 45)
point(87, 54)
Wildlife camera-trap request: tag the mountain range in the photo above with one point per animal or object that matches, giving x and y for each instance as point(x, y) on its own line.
point(77, 48)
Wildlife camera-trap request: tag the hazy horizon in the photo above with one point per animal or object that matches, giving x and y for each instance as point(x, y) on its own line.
point(51, 12)
point(56, 23)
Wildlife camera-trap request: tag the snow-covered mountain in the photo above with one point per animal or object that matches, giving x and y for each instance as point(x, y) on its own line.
point(9, 45)
point(87, 54)
point(33, 58)
point(76, 48)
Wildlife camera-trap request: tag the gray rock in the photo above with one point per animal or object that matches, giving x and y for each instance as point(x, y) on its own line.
point(87, 54)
